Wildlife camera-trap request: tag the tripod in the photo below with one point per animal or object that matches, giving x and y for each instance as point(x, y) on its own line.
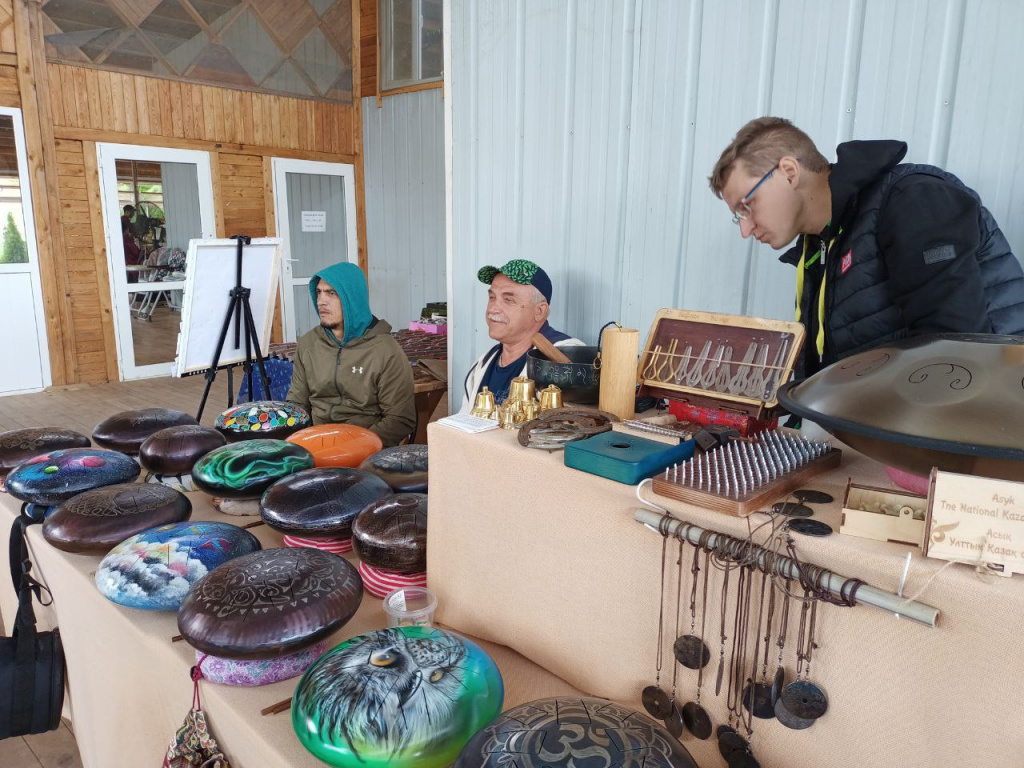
point(241, 311)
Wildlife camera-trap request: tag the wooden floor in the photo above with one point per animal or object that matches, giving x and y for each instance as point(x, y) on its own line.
point(156, 340)
point(81, 407)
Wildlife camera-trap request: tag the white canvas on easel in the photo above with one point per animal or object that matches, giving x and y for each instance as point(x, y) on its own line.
point(210, 277)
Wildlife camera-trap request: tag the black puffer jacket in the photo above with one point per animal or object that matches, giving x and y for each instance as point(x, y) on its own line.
point(913, 252)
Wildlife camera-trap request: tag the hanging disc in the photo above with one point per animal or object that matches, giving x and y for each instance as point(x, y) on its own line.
point(757, 698)
point(742, 759)
point(790, 720)
point(809, 496)
point(674, 721)
point(730, 742)
point(791, 509)
point(691, 652)
point(778, 683)
point(696, 720)
point(723, 729)
point(805, 700)
point(809, 527)
point(656, 702)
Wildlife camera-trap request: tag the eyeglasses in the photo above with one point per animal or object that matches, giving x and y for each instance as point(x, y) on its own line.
point(743, 206)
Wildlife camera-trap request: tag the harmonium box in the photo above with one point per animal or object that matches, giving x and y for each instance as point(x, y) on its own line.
point(720, 369)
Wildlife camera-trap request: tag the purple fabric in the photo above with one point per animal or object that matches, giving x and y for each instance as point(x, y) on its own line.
point(259, 672)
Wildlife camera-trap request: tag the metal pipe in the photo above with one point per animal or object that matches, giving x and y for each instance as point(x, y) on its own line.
point(784, 566)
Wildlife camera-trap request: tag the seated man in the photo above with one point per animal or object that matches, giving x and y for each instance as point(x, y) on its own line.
point(518, 304)
point(350, 370)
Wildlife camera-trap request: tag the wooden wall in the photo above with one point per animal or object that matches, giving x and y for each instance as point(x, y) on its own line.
point(69, 109)
point(368, 47)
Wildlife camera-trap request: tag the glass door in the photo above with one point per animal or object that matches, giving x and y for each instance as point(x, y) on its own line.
point(26, 351)
point(155, 200)
point(316, 213)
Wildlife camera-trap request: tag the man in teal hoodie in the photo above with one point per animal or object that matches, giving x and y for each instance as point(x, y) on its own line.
point(350, 370)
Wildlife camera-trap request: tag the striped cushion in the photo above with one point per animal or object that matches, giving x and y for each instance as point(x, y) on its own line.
point(338, 546)
point(379, 582)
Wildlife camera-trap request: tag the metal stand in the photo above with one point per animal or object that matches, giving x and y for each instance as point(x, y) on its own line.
point(239, 309)
point(784, 566)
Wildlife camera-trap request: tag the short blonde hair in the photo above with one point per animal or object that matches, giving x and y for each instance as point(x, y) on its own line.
point(759, 144)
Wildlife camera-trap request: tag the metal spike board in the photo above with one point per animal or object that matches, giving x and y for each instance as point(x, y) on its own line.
point(742, 477)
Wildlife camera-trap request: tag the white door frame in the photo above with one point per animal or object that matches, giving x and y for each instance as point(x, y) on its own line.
point(107, 154)
point(281, 167)
point(32, 268)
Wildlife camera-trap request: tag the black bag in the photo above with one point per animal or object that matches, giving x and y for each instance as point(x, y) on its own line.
point(31, 662)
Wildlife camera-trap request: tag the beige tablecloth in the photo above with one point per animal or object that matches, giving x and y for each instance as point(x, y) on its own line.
point(130, 686)
point(549, 561)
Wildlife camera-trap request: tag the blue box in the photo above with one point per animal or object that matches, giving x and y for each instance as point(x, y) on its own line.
point(624, 458)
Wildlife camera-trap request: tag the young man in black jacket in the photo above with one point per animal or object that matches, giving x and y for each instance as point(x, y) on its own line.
point(884, 250)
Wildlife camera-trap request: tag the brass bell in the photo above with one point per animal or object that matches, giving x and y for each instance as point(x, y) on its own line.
point(550, 397)
point(510, 415)
point(522, 389)
point(530, 410)
point(483, 407)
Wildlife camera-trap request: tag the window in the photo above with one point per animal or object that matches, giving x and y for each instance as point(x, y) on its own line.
point(300, 48)
point(140, 185)
point(411, 42)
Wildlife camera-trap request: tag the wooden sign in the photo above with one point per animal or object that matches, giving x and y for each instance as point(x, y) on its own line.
point(976, 520)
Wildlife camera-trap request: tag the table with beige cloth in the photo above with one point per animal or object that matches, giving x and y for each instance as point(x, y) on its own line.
point(549, 561)
point(129, 684)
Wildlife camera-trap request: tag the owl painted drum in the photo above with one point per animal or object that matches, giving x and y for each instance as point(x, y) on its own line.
point(262, 418)
point(391, 534)
point(20, 445)
point(577, 731)
point(127, 431)
point(403, 467)
point(57, 476)
point(100, 519)
point(269, 603)
point(337, 445)
point(403, 697)
point(321, 502)
point(245, 470)
point(155, 569)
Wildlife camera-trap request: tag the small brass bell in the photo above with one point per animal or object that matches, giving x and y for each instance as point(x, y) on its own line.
point(550, 397)
point(483, 407)
point(510, 415)
point(530, 410)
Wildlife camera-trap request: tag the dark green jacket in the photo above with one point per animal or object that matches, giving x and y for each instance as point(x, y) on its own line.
point(365, 379)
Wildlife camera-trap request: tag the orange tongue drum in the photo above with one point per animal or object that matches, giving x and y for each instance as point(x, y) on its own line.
point(549, 350)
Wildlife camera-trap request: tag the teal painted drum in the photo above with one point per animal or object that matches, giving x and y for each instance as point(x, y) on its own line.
point(262, 418)
point(403, 697)
point(245, 470)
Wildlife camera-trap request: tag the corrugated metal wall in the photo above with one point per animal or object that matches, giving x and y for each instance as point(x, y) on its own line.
point(404, 160)
point(583, 133)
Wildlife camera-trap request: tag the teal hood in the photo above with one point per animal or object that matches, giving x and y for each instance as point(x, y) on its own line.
point(349, 282)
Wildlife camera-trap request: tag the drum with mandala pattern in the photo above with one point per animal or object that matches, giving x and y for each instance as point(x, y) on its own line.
point(269, 603)
point(20, 445)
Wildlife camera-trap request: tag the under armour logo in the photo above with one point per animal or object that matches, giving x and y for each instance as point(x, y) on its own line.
point(356, 369)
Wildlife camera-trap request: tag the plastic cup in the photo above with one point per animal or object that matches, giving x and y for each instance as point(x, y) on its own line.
point(410, 607)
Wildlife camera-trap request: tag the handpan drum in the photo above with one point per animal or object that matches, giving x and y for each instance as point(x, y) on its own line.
point(270, 603)
point(321, 502)
point(403, 467)
point(57, 476)
point(337, 445)
point(262, 418)
point(573, 731)
point(20, 445)
point(174, 450)
point(128, 430)
point(245, 470)
point(952, 401)
point(100, 519)
point(156, 568)
point(391, 534)
point(407, 697)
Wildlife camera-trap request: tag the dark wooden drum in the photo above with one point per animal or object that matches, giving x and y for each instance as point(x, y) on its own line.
point(173, 451)
point(20, 445)
point(127, 431)
point(270, 603)
point(321, 502)
point(57, 476)
point(403, 467)
point(100, 519)
point(391, 534)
